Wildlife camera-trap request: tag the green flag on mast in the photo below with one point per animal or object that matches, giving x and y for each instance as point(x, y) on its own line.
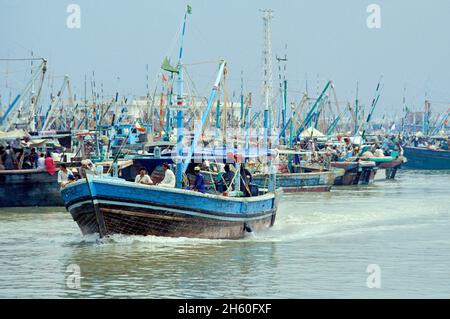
point(167, 67)
point(189, 9)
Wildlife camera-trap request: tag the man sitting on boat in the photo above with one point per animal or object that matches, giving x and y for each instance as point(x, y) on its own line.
point(199, 183)
point(64, 176)
point(169, 177)
point(143, 178)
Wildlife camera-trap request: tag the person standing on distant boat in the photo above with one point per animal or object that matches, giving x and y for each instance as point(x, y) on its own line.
point(143, 178)
point(34, 157)
point(64, 175)
point(10, 158)
point(49, 164)
point(199, 184)
point(297, 155)
point(2, 154)
point(169, 177)
point(41, 162)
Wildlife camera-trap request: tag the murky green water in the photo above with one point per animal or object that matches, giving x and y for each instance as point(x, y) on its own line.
point(319, 247)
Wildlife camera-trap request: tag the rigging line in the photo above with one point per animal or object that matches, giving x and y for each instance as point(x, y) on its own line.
point(20, 70)
point(202, 62)
point(194, 88)
point(22, 59)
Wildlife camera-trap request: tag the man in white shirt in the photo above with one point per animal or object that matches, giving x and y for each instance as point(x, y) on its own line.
point(169, 177)
point(41, 162)
point(143, 178)
point(64, 175)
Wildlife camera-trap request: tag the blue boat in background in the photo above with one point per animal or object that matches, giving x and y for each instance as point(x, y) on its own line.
point(427, 159)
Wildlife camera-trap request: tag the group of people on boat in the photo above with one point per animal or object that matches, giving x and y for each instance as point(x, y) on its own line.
point(21, 159)
point(432, 143)
point(169, 179)
point(12, 158)
point(345, 150)
point(226, 178)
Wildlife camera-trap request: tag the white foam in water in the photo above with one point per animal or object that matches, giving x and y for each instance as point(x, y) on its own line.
point(156, 240)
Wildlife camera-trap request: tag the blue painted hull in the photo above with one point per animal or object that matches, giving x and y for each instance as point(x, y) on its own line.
point(422, 158)
point(113, 206)
point(302, 182)
point(28, 188)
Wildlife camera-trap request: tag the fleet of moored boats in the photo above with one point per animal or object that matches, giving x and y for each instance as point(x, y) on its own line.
point(246, 163)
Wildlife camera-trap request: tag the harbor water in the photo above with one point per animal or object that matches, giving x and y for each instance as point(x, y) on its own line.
point(322, 246)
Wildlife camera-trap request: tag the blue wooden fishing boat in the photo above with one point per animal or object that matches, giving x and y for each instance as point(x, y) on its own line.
point(108, 205)
point(427, 159)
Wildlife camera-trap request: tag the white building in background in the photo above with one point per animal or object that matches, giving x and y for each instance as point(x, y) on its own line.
point(142, 105)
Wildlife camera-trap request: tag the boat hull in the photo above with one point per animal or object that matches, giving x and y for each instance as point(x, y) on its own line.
point(426, 159)
point(28, 188)
point(319, 181)
point(388, 170)
point(355, 173)
point(109, 206)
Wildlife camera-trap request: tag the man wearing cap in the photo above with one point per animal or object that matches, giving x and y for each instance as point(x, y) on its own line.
point(199, 184)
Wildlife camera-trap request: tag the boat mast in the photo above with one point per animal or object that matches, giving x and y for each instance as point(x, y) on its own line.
point(267, 67)
point(356, 109)
point(426, 117)
point(180, 105)
point(283, 94)
point(12, 111)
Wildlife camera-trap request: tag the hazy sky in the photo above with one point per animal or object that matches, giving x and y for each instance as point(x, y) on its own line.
point(326, 39)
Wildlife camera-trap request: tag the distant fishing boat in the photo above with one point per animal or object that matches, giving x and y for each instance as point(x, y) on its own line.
point(29, 187)
point(356, 173)
point(310, 180)
point(428, 159)
point(33, 187)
